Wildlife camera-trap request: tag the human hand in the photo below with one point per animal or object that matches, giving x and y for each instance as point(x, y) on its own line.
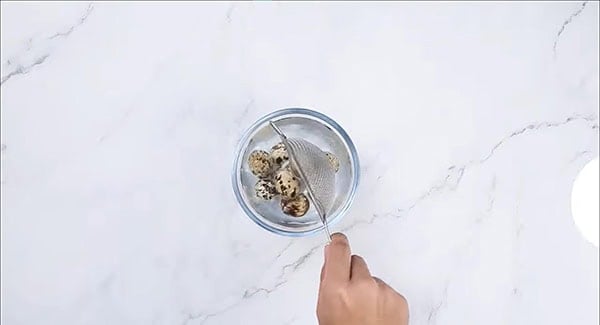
point(349, 295)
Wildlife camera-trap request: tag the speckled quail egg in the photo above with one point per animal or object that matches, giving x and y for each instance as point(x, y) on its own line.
point(295, 207)
point(265, 189)
point(260, 163)
point(286, 183)
point(279, 155)
point(333, 161)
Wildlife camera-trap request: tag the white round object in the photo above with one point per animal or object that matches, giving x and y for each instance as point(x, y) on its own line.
point(584, 202)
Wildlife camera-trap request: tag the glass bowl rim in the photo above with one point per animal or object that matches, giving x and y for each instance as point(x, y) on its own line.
point(235, 177)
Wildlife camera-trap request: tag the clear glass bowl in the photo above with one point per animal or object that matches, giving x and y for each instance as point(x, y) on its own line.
point(295, 123)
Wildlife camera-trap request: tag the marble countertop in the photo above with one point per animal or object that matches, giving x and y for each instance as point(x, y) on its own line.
point(119, 123)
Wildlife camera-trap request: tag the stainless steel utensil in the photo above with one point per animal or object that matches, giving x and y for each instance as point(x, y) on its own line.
point(314, 170)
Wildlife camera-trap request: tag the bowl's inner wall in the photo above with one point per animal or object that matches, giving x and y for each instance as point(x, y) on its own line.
point(315, 131)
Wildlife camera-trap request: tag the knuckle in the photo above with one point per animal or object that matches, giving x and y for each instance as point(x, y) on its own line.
point(365, 284)
point(334, 290)
point(379, 281)
point(339, 292)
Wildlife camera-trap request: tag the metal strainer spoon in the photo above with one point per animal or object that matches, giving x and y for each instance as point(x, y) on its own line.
point(314, 170)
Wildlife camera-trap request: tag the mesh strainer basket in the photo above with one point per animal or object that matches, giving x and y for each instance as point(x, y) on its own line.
point(315, 171)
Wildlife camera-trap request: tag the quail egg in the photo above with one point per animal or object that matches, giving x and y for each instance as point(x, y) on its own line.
point(295, 207)
point(265, 189)
point(279, 154)
point(333, 161)
point(260, 163)
point(286, 183)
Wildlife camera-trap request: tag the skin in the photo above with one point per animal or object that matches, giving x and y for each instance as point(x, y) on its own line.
point(350, 295)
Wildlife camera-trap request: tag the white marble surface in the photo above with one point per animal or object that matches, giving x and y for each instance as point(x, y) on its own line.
point(119, 123)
